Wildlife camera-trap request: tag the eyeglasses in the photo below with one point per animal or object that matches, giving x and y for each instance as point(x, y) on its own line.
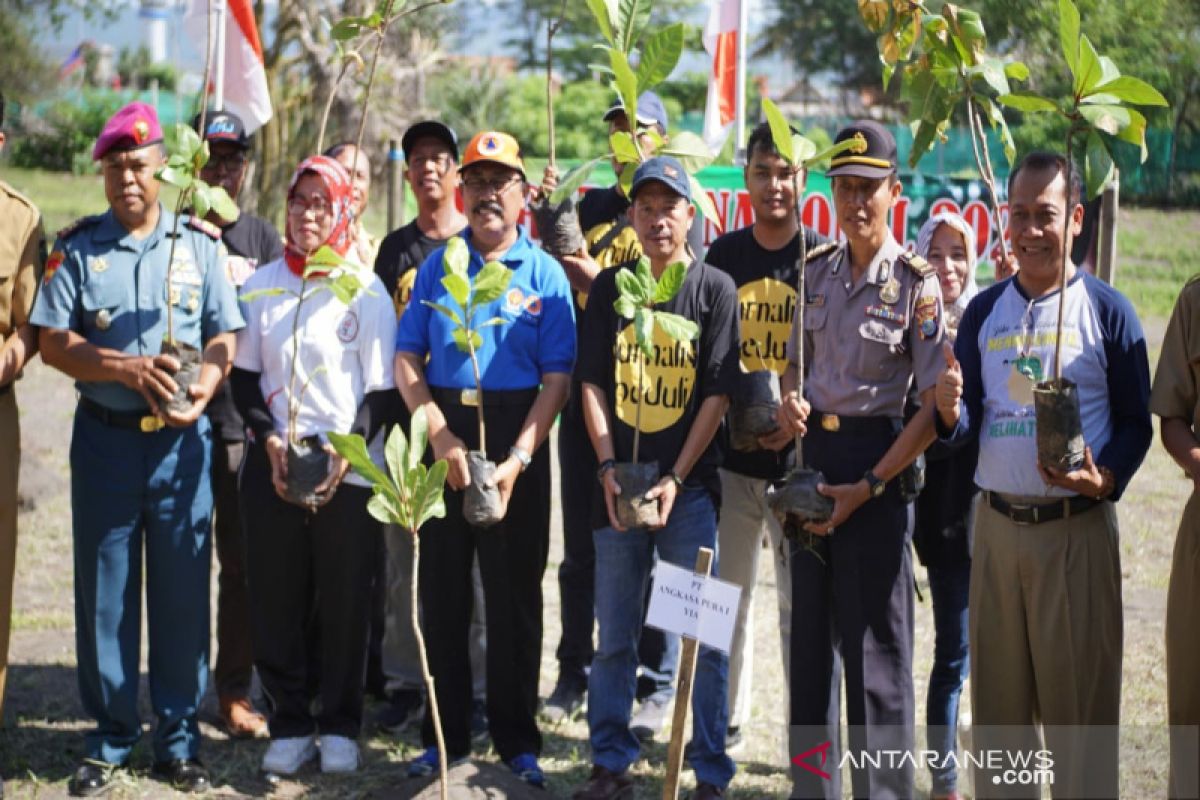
point(230, 162)
point(479, 185)
point(319, 207)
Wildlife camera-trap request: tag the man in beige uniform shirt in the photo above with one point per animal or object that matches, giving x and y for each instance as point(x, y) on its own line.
point(22, 255)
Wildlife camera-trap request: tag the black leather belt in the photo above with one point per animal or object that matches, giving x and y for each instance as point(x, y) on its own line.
point(470, 397)
point(838, 423)
point(1035, 514)
point(142, 421)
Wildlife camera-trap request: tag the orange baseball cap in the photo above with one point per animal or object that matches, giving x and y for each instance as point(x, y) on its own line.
point(494, 146)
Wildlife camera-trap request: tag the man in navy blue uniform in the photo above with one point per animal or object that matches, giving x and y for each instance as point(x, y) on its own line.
point(139, 472)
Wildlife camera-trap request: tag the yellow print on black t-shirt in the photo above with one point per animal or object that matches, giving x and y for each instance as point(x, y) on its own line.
point(765, 310)
point(624, 247)
point(403, 291)
point(667, 382)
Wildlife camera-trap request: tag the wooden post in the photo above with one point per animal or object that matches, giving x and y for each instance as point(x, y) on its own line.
point(395, 186)
point(1106, 250)
point(683, 694)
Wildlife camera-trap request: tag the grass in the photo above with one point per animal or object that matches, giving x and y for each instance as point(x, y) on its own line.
point(42, 740)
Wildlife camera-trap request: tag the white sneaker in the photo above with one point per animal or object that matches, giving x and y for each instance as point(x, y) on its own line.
point(338, 754)
point(287, 756)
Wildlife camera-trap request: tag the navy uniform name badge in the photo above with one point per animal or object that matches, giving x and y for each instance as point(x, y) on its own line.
point(815, 301)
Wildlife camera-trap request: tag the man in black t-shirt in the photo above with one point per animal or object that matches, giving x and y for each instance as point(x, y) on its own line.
point(762, 260)
point(610, 241)
point(682, 399)
point(251, 242)
point(431, 168)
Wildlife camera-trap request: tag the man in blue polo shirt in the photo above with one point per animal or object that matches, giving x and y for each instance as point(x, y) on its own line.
point(534, 346)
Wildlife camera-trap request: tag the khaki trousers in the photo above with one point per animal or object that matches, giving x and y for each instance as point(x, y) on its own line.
point(10, 462)
point(1046, 632)
point(1183, 654)
point(745, 520)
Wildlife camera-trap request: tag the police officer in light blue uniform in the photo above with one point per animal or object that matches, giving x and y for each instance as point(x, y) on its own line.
point(139, 472)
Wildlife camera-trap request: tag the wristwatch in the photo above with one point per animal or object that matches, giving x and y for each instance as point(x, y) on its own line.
point(520, 455)
point(875, 484)
point(605, 466)
point(674, 476)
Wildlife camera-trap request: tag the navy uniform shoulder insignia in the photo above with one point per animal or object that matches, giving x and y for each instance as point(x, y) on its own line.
point(204, 226)
point(77, 225)
point(917, 264)
point(820, 250)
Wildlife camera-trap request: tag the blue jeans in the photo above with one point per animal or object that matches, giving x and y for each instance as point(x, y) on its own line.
point(948, 585)
point(623, 562)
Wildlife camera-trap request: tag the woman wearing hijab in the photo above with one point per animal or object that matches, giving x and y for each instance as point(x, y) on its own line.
point(943, 511)
point(310, 567)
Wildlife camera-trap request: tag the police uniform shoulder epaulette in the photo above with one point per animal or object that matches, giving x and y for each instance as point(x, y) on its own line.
point(820, 250)
point(77, 225)
point(917, 264)
point(13, 193)
point(204, 226)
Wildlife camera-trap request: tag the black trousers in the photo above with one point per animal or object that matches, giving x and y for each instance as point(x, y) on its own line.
point(512, 559)
point(852, 616)
point(577, 467)
point(235, 655)
point(310, 573)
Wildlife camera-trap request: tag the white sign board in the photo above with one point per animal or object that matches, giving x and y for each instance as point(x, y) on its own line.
point(703, 608)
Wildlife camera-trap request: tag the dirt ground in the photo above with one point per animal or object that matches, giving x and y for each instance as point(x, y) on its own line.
point(41, 741)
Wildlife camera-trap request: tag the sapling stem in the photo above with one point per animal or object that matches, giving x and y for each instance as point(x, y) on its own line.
point(1066, 254)
point(984, 165)
point(425, 673)
point(641, 397)
point(801, 301)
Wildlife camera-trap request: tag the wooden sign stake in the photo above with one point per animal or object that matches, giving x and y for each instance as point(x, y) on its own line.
point(683, 694)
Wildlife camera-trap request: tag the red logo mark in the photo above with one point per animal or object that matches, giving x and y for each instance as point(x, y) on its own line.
point(822, 750)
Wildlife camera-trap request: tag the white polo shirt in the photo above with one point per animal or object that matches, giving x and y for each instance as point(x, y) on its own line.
point(354, 345)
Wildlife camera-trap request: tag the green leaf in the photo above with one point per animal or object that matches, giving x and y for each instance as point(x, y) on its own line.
point(429, 499)
point(1132, 90)
point(970, 30)
point(446, 311)
point(1016, 71)
point(461, 342)
point(396, 455)
point(625, 81)
point(632, 16)
point(201, 200)
point(626, 181)
point(669, 283)
point(223, 204)
point(353, 448)
point(645, 278)
point(347, 28)
point(1135, 132)
point(992, 72)
point(659, 56)
point(187, 141)
point(781, 131)
point(1090, 71)
point(455, 258)
point(1108, 70)
point(1068, 34)
point(707, 207)
point(690, 150)
point(251, 296)
point(623, 147)
point(418, 438)
point(829, 152)
point(1027, 101)
point(923, 138)
point(458, 287)
point(803, 148)
point(573, 180)
point(385, 510)
point(605, 12)
point(1098, 167)
point(1110, 119)
point(1100, 99)
point(490, 283)
point(344, 293)
point(629, 286)
point(325, 259)
point(993, 112)
point(874, 13)
point(888, 71)
point(625, 307)
point(678, 328)
point(643, 330)
point(175, 177)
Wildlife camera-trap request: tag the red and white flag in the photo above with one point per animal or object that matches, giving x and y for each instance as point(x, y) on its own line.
point(721, 42)
point(245, 78)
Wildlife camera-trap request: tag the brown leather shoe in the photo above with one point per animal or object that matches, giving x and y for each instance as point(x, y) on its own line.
point(706, 791)
point(604, 784)
point(241, 720)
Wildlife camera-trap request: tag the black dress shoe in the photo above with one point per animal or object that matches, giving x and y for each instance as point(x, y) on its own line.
point(91, 778)
point(184, 774)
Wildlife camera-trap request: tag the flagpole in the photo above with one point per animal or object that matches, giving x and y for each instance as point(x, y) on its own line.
point(739, 90)
point(222, 9)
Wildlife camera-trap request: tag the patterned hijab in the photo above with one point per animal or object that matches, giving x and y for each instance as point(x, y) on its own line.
point(340, 194)
point(925, 238)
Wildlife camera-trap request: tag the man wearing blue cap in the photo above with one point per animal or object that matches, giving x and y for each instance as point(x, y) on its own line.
point(677, 433)
point(611, 241)
point(139, 471)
